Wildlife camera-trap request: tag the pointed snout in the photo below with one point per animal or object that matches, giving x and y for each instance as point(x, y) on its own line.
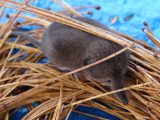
point(122, 96)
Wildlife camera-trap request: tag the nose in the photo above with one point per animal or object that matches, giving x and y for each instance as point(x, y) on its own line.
point(122, 97)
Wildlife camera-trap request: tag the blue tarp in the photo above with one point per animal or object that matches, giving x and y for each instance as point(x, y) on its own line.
point(139, 11)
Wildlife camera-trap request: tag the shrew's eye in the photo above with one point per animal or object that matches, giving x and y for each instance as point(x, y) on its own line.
point(109, 81)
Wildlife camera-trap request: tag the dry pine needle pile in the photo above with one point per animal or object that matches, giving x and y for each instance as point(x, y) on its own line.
point(24, 80)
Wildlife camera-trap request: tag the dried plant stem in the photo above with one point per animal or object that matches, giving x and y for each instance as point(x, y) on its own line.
point(66, 6)
point(151, 37)
point(24, 81)
point(108, 93)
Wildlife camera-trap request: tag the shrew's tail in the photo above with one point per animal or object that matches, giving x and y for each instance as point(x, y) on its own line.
point(24, 36)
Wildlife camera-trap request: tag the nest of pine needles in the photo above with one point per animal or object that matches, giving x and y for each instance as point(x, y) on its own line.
point(25, 80)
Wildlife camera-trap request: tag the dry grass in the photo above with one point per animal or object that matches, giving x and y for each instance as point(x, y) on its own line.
point(58, 93)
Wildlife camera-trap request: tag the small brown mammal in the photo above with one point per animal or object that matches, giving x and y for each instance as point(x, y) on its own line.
point(68, 48)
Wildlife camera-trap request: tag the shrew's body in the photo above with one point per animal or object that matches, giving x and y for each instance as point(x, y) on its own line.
point(68, 48)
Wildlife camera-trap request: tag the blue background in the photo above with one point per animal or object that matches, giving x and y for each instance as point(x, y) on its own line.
point(142, 10)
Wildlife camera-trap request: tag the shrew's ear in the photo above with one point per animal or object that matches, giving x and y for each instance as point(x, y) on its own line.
point(88, 61)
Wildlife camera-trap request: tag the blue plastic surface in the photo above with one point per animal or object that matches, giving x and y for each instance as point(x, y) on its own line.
point(141, 10)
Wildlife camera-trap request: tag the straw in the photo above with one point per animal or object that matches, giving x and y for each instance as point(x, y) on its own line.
point(24, 80)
